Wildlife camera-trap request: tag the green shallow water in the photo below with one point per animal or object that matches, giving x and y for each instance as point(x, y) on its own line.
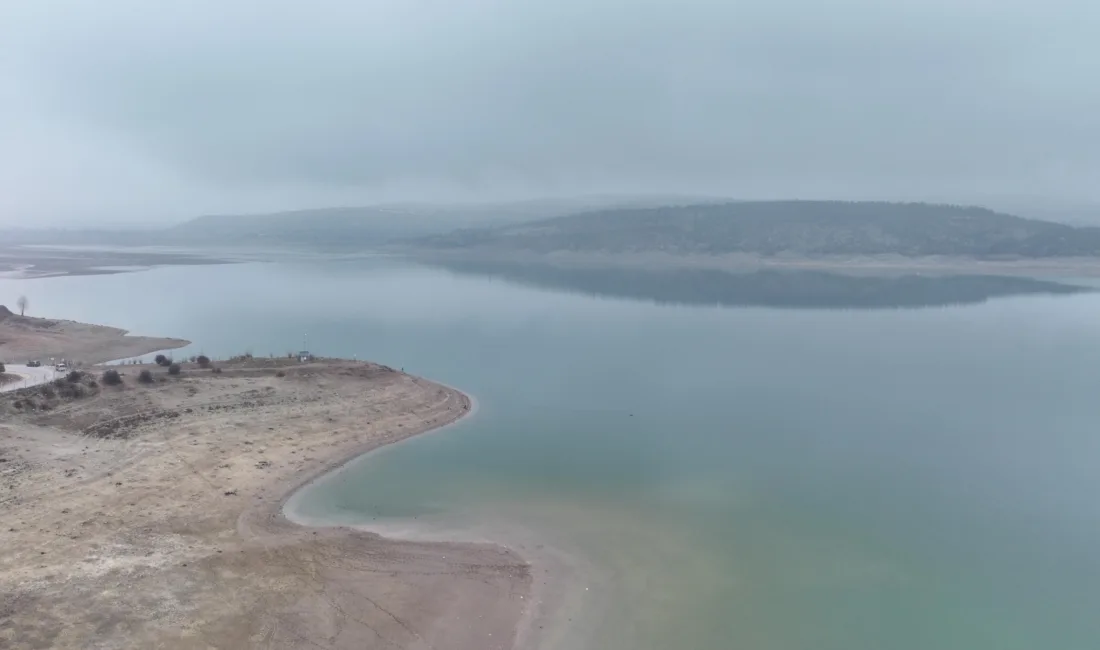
point(733, 477)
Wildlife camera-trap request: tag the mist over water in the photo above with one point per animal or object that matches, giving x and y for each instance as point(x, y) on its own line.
point(737, 477)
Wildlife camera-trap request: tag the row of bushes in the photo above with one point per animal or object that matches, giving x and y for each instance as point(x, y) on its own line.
point(112, 377)
point(205, 362)
point(71, 386)
point(74, 385)
point(202, 360)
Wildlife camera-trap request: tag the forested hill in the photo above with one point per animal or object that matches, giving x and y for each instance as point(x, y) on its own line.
point(811, 228)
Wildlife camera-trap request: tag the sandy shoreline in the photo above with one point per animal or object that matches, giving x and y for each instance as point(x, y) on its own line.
point(557, 612)
point(115, 493)
point(337, 465)
point(274, 516)
point(29, 262)
point(546, 615)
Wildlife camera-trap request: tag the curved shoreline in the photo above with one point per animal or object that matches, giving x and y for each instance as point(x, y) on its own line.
point(274, 517)
point(559, 588)
point(272, 510)
point(338, 466)
point(546, 598)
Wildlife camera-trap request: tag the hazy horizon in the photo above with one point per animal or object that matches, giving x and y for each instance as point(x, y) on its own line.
point(1069, 213)
point(118, 113)
point(1077, 214)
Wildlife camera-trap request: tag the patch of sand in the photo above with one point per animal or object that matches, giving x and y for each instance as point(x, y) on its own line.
point(149, 516)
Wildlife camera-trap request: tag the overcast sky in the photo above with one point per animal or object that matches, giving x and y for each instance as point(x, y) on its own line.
point(134, 110)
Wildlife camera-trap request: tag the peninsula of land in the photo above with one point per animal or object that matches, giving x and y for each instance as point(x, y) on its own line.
point(145, 510)
point(24, 338)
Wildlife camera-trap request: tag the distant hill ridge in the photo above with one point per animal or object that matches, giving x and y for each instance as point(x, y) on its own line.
point(787, 227)
point(608, 224)
point(378, 225)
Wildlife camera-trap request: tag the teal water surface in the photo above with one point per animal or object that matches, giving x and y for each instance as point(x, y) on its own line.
point(742, 477)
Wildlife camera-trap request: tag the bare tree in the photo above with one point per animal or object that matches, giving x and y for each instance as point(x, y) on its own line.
point(22, 304)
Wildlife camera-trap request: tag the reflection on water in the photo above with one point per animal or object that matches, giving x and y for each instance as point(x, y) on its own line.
point(764, 288)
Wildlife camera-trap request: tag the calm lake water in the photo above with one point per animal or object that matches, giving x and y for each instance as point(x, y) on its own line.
point(736, 477)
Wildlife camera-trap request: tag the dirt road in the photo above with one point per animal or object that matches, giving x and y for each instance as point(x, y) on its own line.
point(28, 376)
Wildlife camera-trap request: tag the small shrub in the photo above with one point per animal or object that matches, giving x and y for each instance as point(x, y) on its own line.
point(47, 391)
point(280, 374)
point(112, 378)
point(1, 369)
point(74, 377)
point(71, 391)
point(216, 370)
point(163, 360)
point(203, 361)
point(145, 377)
point(174, 369)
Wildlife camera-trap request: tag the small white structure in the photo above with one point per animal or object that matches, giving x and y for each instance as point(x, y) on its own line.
point(304, 356)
